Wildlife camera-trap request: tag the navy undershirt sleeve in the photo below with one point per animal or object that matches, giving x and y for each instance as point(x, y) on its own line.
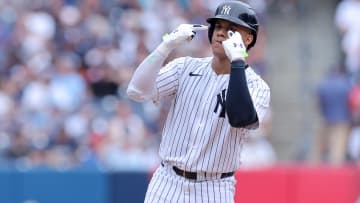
point(239, 106)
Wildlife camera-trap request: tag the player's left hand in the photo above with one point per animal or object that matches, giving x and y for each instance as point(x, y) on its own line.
point(234, 47)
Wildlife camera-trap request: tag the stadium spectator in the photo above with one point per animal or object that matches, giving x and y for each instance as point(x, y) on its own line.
point(332, 94)
point(347, 22)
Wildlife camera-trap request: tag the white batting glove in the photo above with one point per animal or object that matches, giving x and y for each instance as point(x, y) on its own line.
point(183, 33)
point(234, 47)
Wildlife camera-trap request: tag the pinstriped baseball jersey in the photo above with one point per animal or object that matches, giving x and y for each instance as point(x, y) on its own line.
point(197, 135)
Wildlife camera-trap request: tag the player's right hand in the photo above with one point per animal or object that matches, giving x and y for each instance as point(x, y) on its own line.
point(182, 34)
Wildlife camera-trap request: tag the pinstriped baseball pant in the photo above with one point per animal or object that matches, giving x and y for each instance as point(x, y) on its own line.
point(166, 186)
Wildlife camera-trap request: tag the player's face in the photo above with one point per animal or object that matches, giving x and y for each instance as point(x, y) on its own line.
point(220, 34)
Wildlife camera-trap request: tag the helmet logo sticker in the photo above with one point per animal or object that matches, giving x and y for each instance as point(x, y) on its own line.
point(225, 10)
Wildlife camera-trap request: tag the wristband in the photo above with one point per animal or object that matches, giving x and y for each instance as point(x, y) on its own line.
point(239, 64)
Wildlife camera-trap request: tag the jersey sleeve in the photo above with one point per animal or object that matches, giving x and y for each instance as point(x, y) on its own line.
point(167, 81)
point(260, 94)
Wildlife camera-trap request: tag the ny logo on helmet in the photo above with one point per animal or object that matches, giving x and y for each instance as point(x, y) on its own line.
point(225, 10)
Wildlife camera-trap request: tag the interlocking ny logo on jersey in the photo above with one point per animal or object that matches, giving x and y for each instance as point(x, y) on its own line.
point(221, 102)
point(225, 10)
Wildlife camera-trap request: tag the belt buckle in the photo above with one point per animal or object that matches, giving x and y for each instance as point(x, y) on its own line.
point(184, 174)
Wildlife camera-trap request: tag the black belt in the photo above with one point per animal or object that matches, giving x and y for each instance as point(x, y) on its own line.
point(193, 175)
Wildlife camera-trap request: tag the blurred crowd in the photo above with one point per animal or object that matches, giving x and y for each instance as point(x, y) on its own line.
point(64, 68)
point(339, 92)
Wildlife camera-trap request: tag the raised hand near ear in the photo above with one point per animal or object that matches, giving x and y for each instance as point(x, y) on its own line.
point(234, 47)
point(182, 34)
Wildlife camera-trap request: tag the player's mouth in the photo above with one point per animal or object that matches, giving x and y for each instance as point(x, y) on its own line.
point(218, 42)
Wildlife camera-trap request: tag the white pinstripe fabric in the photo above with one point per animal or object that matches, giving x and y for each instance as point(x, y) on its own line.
point(195, 138)
point(167, 187)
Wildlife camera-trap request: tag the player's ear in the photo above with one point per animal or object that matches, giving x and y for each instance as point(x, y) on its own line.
point(248, 39)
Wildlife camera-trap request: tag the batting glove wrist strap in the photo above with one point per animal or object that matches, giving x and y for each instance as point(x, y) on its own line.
point(164, 50)
point(234, 47)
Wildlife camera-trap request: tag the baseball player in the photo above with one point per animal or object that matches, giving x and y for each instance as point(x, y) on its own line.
point(216, 101)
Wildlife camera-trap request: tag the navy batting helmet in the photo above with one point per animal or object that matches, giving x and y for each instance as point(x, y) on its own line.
point(236, 12)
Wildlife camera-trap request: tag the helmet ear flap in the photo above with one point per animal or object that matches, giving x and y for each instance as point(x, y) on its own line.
point(211, 31)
